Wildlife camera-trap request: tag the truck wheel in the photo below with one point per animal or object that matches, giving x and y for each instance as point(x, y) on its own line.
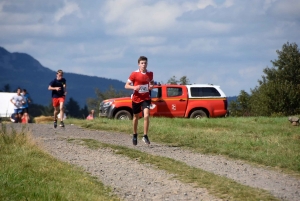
point(198, 114)
point(123, 115)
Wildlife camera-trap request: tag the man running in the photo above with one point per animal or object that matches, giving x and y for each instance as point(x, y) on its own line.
point(18, 100)
point(27, 98)
point(141, 82)
point(58, 87)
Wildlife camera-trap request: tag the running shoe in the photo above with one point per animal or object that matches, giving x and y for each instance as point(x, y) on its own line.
point(55, 124)
point(146, 139)
point(134, 139)
point(62, 124)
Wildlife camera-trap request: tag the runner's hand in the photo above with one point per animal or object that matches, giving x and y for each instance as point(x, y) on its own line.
point(136, 88)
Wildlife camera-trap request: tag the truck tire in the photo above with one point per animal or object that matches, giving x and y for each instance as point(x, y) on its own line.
point(123, 115)
point(198, 114)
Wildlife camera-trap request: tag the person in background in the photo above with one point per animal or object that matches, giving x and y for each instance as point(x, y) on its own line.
point(18, 101)
point(14, 118)
point(141, 82)
point(58, 87)
point(25, 118)
point(91, 115)
point(27, 99)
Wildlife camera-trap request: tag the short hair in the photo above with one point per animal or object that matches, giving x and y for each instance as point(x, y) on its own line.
point(60, 71)
point(24, 90)
point(142, 58)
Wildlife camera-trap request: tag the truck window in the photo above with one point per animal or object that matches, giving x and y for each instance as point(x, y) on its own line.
point(204, 91)
point(174, 91)
point(156, 93)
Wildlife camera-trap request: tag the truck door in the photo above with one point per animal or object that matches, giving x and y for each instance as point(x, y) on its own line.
point(168, 101)
point(158, 107)
point(176, 100)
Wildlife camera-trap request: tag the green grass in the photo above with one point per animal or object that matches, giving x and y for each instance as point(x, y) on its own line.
point(266, 141)
point(221, 187)
point(27, 173)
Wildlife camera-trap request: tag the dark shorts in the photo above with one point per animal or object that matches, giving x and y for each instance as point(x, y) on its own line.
point(18, 111)
point(25, 109)
point(138, 107)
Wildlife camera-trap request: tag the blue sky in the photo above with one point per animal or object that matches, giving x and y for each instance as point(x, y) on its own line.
point(223, 42)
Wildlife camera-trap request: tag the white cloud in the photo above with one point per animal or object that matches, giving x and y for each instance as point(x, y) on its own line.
point(204, 45)
point(1, 6)
point(102, 56)
point(131, 17)
point(204, 3)
point(25, 46)
point(114, 10)
point(286, 8)
point(68, 9)
point(198, 5)
point(228, 3)
point(31, 31)
point(148, 40)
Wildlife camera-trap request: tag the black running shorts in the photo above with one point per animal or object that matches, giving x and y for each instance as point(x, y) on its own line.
point(138, 107)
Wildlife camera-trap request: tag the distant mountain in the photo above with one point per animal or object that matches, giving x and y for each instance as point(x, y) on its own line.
point(22, 70)
point(231, 98)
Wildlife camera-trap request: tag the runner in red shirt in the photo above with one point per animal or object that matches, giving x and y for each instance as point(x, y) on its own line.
point(140, 81)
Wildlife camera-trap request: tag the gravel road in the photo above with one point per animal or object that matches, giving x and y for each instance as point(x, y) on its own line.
point(131, 180)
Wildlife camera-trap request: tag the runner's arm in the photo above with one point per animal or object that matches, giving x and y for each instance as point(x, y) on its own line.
point(53, 88)
point(129, 85)
point(11, 100)
point(65, 89)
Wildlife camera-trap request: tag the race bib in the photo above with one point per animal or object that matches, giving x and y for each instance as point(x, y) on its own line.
point(143, 88)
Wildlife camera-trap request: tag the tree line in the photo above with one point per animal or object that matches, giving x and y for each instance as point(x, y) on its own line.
point(278, 91)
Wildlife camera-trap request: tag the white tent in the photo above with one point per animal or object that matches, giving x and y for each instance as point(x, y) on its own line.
point(6, 107)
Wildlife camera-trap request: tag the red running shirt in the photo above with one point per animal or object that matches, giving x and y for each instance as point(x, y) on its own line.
point(143, 79)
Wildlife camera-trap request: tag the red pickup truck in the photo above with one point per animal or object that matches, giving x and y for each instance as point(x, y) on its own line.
point(190, 101)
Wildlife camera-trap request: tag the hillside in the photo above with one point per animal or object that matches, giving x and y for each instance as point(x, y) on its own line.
point(22, 70)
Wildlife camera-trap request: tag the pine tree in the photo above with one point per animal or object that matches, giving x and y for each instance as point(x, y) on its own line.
point(73, 108)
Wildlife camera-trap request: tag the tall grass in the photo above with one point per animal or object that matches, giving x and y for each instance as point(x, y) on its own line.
point(27, 173)
point(269, 141)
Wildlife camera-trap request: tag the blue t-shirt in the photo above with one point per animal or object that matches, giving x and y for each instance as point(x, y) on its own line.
point(26, 97)
point(58, 83)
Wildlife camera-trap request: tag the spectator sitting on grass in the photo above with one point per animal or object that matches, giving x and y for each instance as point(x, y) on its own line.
point(14, 118)
point(25, 118)
point(91, 115)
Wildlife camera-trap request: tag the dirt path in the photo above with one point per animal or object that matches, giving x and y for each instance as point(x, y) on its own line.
point(133, 181)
